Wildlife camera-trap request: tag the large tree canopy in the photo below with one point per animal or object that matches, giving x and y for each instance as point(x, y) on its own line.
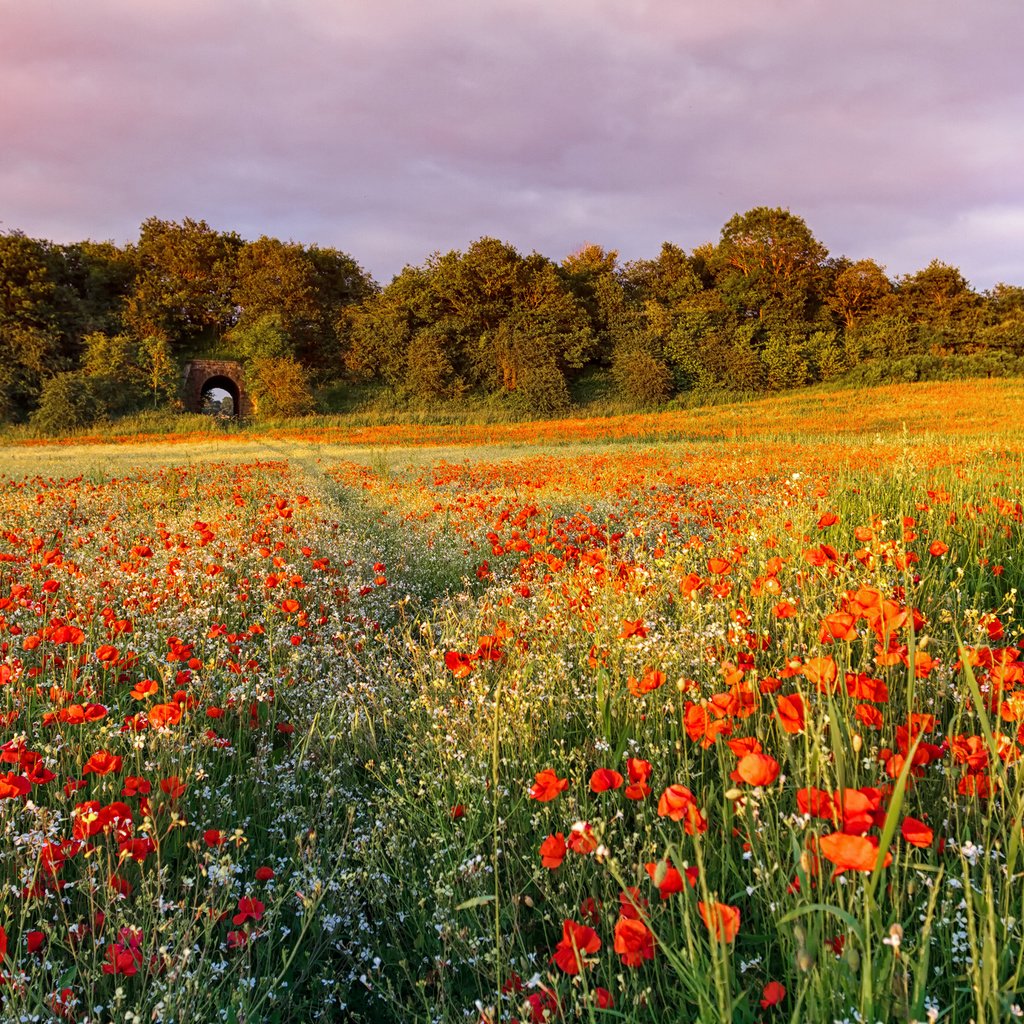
point(762, 308)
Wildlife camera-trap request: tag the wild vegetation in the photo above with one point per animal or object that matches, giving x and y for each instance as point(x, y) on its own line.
point(716, 718)
point(94, 332)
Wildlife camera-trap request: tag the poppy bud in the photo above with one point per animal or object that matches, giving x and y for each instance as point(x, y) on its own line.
point(659, 874)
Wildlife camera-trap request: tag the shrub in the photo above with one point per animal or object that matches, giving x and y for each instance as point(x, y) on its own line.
point(69, 401)
point(640, 376)
point(279, 387)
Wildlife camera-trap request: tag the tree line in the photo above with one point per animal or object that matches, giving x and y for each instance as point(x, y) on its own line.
point(93, 330)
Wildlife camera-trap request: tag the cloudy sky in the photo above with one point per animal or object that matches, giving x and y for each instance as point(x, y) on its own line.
point(394, 128)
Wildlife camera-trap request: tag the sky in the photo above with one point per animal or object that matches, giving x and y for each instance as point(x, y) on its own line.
point(392, 129)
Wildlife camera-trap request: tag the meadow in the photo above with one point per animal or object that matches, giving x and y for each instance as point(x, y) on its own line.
point(698, 715)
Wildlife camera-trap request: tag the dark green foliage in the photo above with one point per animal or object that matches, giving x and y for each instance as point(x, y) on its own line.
point(641, 376)
point(765, 308)
point(69, 401)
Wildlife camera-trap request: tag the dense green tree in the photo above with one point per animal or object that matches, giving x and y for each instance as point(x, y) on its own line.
point(946, 313)
point(69, 401)
point(31, 347)
point(184, 284)
point(380, 331)
point(1004, 329)
point(263, 338)
point(274, 278)
point(640, 375)
point(93, 281)
point(127, 374)
point(768, 263)
point(860, 290)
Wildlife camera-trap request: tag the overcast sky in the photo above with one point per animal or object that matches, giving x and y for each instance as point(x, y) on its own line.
point(394, 128)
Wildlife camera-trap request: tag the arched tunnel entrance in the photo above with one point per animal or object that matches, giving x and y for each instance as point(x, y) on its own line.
point(220, 396)
point(224, 377)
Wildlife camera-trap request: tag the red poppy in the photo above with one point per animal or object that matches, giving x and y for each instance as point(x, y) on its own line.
point(604, 779)
point(249, 909)
point(102, 763)
point(577, 940)
point(547, 786)
point(790, 711)
point(172, 786)
point(679, 804)
point(639, 772)
point(815, 802)
point(552, 851)
point(672, 880)
point(917, 833)
point(13, 786)
point(634, 941)
point(460, 665)
point(773, 994)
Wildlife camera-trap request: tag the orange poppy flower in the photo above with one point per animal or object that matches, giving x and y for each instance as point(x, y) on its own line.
point(162, 715)
point(838, 626)
point(822, 672)
point(633, 628)
point(757, 769)
point(145, 688)
point(582, 839)
point(547, 786)
point(722, 921)
point(648, 682)
point(851, 853)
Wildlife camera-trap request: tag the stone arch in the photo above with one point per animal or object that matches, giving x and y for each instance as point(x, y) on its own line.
point(203, 374)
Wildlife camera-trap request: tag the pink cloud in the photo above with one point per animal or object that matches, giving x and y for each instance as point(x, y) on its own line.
point(392, 128)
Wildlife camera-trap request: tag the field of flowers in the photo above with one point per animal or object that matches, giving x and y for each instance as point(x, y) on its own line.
point(604, 727)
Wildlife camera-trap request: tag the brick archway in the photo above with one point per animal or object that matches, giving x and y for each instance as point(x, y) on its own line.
point(203, 374)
